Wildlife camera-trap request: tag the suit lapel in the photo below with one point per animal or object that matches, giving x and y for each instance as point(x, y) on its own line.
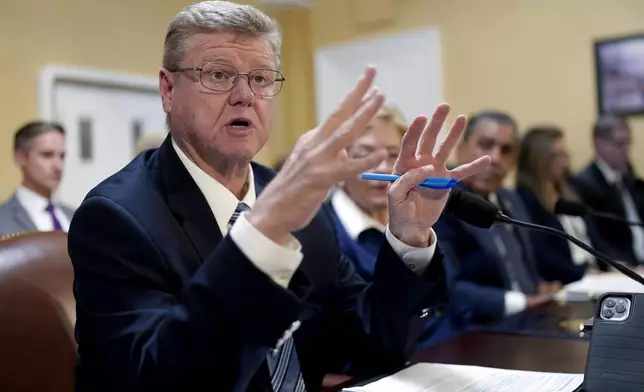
point(515, 211)
point(489, 245)
point(609, 191)
point(487, 242)
point(21, 216)
point(187, 202)
point(190, 207)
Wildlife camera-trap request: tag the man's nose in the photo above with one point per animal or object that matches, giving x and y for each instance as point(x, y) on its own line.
point(495, 153)
point(241, 93)
point(58, 163)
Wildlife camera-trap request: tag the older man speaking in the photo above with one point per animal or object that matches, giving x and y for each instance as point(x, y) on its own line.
point(196, 269)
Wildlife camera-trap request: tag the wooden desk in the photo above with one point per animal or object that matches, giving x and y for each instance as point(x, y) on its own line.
point(554, 320)
point(541, 339)
point(509, 352)
point(545, 338)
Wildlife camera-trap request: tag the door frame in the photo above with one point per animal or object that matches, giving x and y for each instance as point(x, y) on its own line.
point(51, 75)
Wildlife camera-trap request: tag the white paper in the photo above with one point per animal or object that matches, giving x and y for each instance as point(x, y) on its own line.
point(436, 377)
point(592, 286)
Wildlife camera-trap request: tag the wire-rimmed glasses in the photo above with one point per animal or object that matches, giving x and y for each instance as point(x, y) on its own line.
point(222, 78)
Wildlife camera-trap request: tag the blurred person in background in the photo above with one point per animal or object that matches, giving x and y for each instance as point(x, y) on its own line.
point(542, 179)
point(39, 152)
point(359, 208)
point(609, 184)
point(150, 140)
point(496, 274)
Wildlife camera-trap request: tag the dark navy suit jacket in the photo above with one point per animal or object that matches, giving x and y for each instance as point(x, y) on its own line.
point(554, 259)
point(613, 238)
point(439, 326)
point(164, 303)
point(481, 278)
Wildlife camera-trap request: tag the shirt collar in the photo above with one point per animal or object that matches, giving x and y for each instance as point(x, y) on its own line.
point(221, 201)
point(611, 175)
point(27, 197)
point(354, 219)
point(494, 198)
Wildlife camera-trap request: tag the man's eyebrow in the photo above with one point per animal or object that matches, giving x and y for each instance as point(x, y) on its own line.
point(224, 60)
point(217, 59)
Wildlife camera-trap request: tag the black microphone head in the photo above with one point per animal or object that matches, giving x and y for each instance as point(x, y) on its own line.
point(472, 209)
point(569, 207)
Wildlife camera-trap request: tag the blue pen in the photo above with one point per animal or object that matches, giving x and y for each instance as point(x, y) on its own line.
point(431, 182)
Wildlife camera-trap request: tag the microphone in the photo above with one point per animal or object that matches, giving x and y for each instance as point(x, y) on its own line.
point(477, 211)
point(573, 208)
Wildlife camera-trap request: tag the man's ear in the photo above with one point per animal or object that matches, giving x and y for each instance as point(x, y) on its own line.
point(20, 156)
point(166, 85)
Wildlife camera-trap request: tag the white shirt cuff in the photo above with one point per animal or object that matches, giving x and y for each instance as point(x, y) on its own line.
point(515, 302)
point(416, 259)
point(276, 261)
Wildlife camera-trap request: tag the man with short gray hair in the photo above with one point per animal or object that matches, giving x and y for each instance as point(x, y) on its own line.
point(197, 269)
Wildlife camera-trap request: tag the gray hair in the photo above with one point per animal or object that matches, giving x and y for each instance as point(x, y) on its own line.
point(607, 124)
point(217, 16)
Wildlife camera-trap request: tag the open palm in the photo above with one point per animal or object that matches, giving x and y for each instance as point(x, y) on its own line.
point(413, 210)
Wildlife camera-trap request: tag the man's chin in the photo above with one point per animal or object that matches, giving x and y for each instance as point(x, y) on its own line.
point(486, 187)
point(238, 154)
point(379, 204)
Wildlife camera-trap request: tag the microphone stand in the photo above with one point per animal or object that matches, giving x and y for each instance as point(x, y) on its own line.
point(601, 256)
point(607, 215)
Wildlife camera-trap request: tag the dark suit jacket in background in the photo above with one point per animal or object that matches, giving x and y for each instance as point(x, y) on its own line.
point(439, 325)
point(481, 278)
point(552, 253)
point(613, 238)
point(164, 303)
point(14, 218)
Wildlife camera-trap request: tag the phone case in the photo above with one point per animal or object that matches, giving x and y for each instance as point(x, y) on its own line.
point(615, 361)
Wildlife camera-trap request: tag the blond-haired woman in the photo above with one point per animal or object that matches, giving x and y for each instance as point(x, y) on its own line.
point(359, 209)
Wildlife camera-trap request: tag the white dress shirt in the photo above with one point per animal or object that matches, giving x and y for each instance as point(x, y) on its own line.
point(614, 177)
point(277, 261)
point(355, 221)
point(36, 207)
point(576, 227)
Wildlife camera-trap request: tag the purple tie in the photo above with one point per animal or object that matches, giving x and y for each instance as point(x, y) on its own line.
point(54, 220)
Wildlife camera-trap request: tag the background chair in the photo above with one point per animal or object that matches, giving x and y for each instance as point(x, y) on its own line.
point(37, 314)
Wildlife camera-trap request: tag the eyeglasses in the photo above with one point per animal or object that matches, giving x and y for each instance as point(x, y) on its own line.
point(222, 78)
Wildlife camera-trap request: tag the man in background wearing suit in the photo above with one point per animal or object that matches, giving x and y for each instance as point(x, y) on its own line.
point(609, 184)
point(39, 151)
point(496, 275)
point(196, 269)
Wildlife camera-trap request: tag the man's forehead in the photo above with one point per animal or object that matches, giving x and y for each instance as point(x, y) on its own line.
point(492, 129)
point(48, 139)
point(622, 133)
point(230, 46)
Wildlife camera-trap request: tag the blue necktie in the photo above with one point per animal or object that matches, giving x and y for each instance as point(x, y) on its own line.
point(283, 364)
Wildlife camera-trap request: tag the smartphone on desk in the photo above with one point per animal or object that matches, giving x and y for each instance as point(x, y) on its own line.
point(615, 361)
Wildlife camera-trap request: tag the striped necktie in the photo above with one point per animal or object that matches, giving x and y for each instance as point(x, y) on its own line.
point(283, 364)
